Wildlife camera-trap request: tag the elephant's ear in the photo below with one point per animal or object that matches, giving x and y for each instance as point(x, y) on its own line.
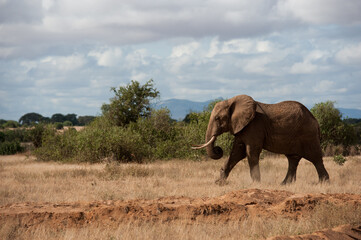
point(242, 110)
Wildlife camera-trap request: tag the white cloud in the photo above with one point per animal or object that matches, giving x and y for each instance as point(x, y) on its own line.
point(184, 49)
point(350, 55)
point(263, 46)
point(192, 49)
point(61, 63)
point(303, 68)
point(67, 63)
point(322, 11)
point(313, 62)
point(238, 46)
point(137, 58)
point(108, 57)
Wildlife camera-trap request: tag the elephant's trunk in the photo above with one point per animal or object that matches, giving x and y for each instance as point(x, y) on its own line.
point(212, 151)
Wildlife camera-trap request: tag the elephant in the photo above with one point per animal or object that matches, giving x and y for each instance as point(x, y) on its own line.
point(287, 128)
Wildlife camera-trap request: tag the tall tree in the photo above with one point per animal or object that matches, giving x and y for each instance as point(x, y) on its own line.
point(85, 120)
point(130, 102)
point(58, 117)
point(72, 118)
point(333, 130)
point(30, 118)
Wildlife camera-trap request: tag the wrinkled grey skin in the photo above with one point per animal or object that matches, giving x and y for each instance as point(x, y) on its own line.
point(287, 128)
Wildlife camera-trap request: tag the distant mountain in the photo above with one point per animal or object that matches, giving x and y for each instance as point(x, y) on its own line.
point(179, 108)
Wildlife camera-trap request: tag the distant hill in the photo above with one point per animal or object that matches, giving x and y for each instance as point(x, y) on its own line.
point(179, 108)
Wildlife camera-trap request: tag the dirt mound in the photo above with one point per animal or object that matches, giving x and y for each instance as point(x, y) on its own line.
point(234, 206)
point(345, 232)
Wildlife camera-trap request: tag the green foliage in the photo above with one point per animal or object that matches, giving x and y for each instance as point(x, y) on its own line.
point(10, 140)
point(36, 134)
point(339, 159)
point(103, 140)
point(71, 117)
point(11, 124)
point(156, 136)
point(19, 134)
point(129, 131)
point(130, 103)
point(7, 148)
point(31, 118)
point(85, 120)
point(57, 117)
point(356, 125)
point(98, 141)
point(67, 123)
point(333, 130)
point(58, 125)
point(54, 146)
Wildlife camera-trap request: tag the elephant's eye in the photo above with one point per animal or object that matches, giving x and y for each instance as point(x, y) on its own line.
point(217, 118)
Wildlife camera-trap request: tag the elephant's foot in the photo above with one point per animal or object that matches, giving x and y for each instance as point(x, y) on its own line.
point(221, 181)
point(288, 181)
point(324, 179)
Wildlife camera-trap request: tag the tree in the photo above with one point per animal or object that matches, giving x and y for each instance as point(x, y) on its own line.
point(72, 118)
point(11, 124)
point(130, 103)
point(30, 118)
point(333, 130)
point(85, 120)
point(58, 117)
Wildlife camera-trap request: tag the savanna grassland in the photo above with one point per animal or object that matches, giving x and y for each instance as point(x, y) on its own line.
point(175, 199)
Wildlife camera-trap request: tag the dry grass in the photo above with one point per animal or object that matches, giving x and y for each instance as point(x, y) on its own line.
point(22, 179)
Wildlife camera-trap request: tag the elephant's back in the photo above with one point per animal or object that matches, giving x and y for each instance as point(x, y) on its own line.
point(290, 116)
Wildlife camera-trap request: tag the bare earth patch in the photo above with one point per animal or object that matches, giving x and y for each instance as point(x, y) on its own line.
point(234, 206)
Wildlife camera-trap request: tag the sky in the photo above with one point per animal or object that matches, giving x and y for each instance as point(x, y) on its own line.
point(63, 56)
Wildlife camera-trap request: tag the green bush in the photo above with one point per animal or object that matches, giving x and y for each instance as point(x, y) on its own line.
point(10, 141)
point(36, 134)
point(19, 134)
point(58, 125)
point(11, 124)
point(98, 141)
point(339, 159)
point(57, 147)
point(67, 123)
point(7, 148)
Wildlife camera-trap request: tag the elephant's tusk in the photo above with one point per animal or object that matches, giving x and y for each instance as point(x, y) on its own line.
point(195, 147)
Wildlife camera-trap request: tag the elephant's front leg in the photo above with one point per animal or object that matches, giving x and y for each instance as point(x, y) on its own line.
point(238, 153)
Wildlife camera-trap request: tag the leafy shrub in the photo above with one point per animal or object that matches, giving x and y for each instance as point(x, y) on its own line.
point(7, 148)
point(11, 124)
point(101, 140)
point(19, 134)
point(36, 134)
point(10, 141)
point(333, 130)
point(2, 136)
point(67, 123)
point(98, 141)
point(58, 125)
point(339, 159)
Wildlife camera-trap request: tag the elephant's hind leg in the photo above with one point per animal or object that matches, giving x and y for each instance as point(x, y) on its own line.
point(237, 154)
point(316, 158)
point(321, 170)
point(293, 161)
